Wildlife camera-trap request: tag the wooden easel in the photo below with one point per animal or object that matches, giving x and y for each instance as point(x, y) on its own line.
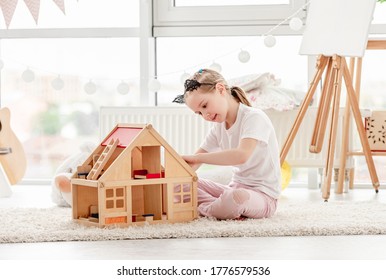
point(335, 69)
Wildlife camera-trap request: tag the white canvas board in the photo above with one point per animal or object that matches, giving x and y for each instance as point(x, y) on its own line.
point(338, 27)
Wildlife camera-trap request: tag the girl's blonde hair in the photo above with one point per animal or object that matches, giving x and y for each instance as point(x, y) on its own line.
point(207, 79)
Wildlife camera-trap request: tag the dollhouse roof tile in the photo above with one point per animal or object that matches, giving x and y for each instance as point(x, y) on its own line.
point(124, 134)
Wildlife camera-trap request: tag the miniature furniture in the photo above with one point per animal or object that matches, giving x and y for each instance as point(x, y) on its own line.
point(134, 177)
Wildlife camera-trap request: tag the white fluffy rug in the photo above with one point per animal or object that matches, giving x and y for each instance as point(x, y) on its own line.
point(291, 219)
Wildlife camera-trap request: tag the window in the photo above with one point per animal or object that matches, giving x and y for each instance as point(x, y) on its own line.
point(182, 193)
point(56, 75)
point(179, 56)
point(77, 14)
point(379, 14)
point(115, 198)
point(99, 44)
point(205, 3)
point(189, 18)
point(52, 123)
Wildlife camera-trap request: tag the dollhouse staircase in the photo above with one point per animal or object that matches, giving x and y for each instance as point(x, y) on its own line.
point(102, 160)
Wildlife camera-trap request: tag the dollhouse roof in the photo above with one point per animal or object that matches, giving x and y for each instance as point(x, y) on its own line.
point(132, 136)
point(124, 134)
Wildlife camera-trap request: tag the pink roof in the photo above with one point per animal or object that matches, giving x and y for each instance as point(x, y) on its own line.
point(124, 134)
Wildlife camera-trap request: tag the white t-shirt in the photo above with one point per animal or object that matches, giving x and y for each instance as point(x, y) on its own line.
point(262, 169)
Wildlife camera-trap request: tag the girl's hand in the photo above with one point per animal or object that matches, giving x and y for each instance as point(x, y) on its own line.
point(235, 156)
point(192, 161)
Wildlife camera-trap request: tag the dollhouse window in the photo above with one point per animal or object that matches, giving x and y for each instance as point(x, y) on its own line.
point(115, 198)
point(182, 193)
point(109, 193)
point(177, 199)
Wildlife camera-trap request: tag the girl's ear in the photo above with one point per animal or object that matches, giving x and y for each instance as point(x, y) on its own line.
point(221, 88)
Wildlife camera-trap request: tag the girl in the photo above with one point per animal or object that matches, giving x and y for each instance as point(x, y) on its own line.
point(241, 136)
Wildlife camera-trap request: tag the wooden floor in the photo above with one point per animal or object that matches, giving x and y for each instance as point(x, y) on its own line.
point(301, 258)
point(264, 248)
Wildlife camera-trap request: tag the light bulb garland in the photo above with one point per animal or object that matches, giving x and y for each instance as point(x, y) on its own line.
point(57, 83)
point(295, 23)
point(90, 87)
point(215, 66)
point(123, 88)
point(244, 56)
point(28, 75)
point(154, 85)
point(269, 41)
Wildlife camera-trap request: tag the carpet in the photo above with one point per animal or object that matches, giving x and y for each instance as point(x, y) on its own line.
point(20, 225)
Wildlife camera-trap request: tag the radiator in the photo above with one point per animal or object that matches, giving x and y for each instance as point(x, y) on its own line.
point(179, 126)
point(185, 130)
point(299, 154)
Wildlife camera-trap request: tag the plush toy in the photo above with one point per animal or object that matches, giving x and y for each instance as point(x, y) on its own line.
point(264, 92)
point(61, 183)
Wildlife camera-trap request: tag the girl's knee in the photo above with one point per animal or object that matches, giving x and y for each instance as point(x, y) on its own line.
point(240, 196)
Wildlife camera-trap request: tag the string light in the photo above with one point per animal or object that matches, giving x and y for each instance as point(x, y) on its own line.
point(244, 56)
point(57, 83)
point(28, 75)
point(216, 67)
point(269, 41)
point(154, 85)
point(90, 87)
point(296, 24)
point(123, 88)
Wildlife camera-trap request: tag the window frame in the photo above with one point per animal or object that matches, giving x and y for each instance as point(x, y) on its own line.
point(169, 20)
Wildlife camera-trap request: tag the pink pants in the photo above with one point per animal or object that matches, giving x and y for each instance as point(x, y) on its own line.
point(233, 201)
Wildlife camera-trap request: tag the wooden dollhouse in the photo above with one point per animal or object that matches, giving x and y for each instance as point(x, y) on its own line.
point(134, 177)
